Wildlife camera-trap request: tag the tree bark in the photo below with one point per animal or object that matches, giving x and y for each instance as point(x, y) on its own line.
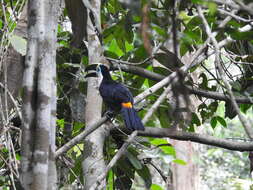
point(186, 177)
point(39, 103)
point(93, 164)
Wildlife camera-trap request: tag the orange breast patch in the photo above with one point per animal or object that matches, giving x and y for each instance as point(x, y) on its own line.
point(127, 104)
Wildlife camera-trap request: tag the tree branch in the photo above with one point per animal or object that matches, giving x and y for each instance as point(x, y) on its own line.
point(200, 92)
point(77, 139)
point(246, 124)
point(156, 77)
point(189, 136)
point(157, 103)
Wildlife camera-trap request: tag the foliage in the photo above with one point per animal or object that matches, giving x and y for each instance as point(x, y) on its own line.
point(224, 169)
point(123, 38)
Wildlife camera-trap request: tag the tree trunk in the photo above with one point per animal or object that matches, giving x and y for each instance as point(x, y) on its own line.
point(39, 101)
point(186, 177)
point(93, 164)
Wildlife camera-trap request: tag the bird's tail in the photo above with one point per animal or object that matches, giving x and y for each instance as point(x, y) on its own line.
point(132, 120)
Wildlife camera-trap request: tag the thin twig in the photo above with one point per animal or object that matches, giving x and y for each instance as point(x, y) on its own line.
point(235, 16)
point(204, 46)
point(154, 107)
point(246, 124)
point(13, 101)
point(130, 63)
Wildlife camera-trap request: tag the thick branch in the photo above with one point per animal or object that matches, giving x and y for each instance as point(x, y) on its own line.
point(77, 139)
point(193, 137)
point(156, 77)
point(203, 93)
point(218, 96)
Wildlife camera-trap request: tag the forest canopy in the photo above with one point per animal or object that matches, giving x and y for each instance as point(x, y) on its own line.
point(188, 65)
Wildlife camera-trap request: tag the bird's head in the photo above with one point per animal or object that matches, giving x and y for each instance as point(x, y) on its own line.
point(97, 70)
point(102, 69)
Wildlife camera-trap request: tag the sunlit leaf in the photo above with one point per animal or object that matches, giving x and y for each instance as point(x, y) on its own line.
point(212, 8)
point(110, 180)
point(115, 48)
point(156, 187)
point(178, 161)
point(60, 123)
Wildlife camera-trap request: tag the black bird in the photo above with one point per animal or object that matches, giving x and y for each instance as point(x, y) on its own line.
point(117, 97)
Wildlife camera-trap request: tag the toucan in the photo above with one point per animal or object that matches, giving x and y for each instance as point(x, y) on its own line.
point(116, 96)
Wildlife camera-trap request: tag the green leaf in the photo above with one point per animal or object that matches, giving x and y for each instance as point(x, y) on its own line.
point(5, 150)
point(134, 160)
point(77, 127)
point(212, 8)
point(1, 24)
point(241, 35)
point(18, 157)
point(213, 122)
point(121, 44)
point(77, 170)
point(170, 150)
point(163, 116)
point(140, 54)
point(110, 180)
point(178, 161)
point(159, 30)
point(78, 149)
point(167, 149)
point(156, 187)
point(144, 173)
point(113, 47)
point(19, 44)
point(184, 48)
point(129, 47)
point(204, 83)
point(236, 86)
point(213, 106)
point(197, 1)
point(244, 107)
point(125, 165)
point(60, 123)
point(221, 121)
point(158, 141)
point(195, 119)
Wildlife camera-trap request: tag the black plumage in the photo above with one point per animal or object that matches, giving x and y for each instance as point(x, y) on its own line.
point(118, 99)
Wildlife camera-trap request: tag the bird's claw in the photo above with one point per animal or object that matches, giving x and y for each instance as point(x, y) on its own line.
point(110, 115)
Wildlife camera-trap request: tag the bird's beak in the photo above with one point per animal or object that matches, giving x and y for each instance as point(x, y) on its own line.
point(91, 74)
point(91, 67)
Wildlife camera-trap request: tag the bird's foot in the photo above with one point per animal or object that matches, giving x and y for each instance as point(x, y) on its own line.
point(110, 114)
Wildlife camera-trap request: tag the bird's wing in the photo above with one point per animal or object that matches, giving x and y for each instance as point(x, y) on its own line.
point(122, 94)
